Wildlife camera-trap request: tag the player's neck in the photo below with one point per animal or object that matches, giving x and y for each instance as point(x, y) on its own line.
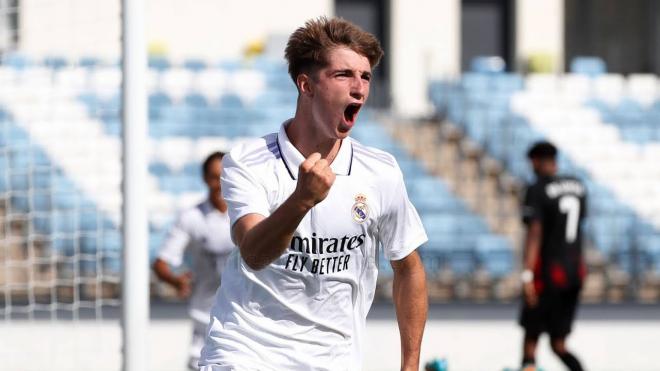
point(218, 204)
point(546, 175)
point(307, 139)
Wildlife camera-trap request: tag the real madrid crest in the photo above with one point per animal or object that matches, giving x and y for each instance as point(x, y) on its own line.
point(360, 210)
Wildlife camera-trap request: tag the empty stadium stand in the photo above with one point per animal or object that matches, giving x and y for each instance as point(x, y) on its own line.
point(60, 160)
point(606, 128)
point(67, 118)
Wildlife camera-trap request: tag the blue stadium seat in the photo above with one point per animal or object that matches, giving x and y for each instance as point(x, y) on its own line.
point(487, 64)
point(64, 246)
point(111, 252)
point(280, 82)
point(269, 66)
point(650, 245)
point(158, 102)
point(159, 99)
point(19, 181)
point(507, 83)
point(19, 160)
point(192, 170)
point(16, 60)
point(159, 63)
point(275, 99)
point(633, 261)
point(384, 267)
point(612, 233)
point(439, 224)
point(111, 242)
point(178, 184)
point(61, 182)
point(196, 100)
point(89, 62)
point(111, 264)
point(65, 222)
point(230, 101)
point(41, 201)
point(472, 225)
point(434, 259)
point(495, 255)
point(89, 242)
point(411, 168)
point(480, 106)
point(257, 130)
point(426, 186)
point(42, 223)
point(92, 102)
point(39, 160)
point(182, 114)
point(66, 200)
point(475, 83)
point(429, 194)
point(113, 127)
point(475, 125)
point(158, 169)
point(590, 66)
point(462, 261)
point(4, 182)
point(194, 65)
point(156, 238)
point(89, 220)
point(230, 65)
point(87, 266)
point(55, 62)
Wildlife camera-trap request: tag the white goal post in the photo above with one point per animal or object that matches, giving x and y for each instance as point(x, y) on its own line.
point(135, 275)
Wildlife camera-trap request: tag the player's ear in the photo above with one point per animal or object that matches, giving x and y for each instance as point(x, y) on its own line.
point(304, 83)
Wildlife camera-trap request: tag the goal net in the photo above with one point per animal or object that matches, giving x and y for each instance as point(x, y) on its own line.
point(60, 170)
point(60, 199)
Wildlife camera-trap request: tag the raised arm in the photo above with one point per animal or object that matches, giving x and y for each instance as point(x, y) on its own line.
point(261, 239)
point(411, 303)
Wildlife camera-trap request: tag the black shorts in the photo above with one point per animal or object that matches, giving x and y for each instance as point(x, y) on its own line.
point(553, 314)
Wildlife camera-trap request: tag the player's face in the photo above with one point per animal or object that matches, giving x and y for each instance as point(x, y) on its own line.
point(544, 166)
point(212, 178)
point(339, 91)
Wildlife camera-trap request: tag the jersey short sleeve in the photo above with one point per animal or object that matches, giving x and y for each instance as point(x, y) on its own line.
point(178, 237)
point(242, 190)
point(400, 227)
point(533, 204)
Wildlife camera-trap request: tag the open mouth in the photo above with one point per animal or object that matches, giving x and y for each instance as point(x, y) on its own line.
point(351, 111)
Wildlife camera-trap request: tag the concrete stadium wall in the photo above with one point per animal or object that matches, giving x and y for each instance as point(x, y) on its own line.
point(425, 34)
point(211, 29)
point(540, 30)
point(425, 45)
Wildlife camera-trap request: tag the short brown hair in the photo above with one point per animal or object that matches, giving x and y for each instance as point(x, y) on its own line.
point(207, 163)
point(308, 46)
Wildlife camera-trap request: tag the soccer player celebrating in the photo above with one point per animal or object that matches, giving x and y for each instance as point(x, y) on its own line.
point(553, 212)
point(309, 208)
point(202, 231)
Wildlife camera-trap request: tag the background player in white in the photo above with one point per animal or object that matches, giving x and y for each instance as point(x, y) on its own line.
point(203, 232)
point(309, 208)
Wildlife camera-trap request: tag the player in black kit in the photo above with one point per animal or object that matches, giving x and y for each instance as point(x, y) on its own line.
point(553, 211)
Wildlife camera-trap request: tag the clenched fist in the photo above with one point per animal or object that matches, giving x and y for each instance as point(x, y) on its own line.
point(315, 177)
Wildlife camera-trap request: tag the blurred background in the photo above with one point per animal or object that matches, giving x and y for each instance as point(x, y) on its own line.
point(463, 90)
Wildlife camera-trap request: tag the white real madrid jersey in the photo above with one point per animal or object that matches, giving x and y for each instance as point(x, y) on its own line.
point(204, 231)
point(307, 309)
